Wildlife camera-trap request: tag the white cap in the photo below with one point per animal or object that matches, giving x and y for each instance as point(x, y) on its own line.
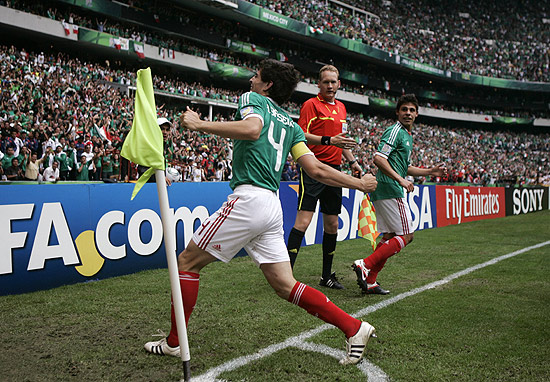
point(162, 121)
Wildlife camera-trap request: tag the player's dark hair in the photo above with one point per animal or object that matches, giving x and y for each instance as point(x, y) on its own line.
point(284, 77)
point(407, 98)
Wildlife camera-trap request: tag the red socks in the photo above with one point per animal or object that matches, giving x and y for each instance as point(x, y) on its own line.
point(189, 284)
point(384, 250)
point(318, 305)
point(310, 299)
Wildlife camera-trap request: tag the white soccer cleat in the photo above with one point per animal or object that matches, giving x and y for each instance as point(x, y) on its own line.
point(356, 345)
point(161, 347)
point(362, 273)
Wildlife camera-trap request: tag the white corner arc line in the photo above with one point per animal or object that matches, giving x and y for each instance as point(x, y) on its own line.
point(374, 373)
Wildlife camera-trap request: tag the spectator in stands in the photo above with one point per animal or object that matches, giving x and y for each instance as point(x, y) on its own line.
point(8, 156)
point(64, 162)
point(14, 172)
point(115, 161)
point(98, 165)
point(51, 174)
point(197, 172)
point(31, 142)
point(89, 156)
point(17, 142)
point(32, 171)
point(48, 158)
point(107, 165)
point(83, 168)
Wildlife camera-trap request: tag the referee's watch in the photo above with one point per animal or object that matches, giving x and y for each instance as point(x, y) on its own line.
point(352, 162)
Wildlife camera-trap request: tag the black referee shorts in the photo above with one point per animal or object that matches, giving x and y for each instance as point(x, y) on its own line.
point(310, 191)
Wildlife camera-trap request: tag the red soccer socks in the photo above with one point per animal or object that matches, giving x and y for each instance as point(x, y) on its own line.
point(318, 305)
point(189, 284)
point(384, 250)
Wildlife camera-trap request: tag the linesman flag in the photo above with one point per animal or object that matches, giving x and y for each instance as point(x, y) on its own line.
point(367, 228)
point(143, 145)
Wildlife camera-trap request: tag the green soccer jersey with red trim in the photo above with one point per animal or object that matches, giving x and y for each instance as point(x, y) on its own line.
point(260, 163)
point(396, 146)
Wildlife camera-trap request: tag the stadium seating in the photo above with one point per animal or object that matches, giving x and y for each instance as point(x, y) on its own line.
point(517, 156)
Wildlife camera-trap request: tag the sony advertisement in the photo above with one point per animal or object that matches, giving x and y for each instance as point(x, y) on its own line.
point(525, 200)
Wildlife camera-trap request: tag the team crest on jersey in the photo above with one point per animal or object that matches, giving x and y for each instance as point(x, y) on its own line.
point(245, 111)
point(386, 149)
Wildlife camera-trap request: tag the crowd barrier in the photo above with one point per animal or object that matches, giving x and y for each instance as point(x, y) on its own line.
point(54, 235)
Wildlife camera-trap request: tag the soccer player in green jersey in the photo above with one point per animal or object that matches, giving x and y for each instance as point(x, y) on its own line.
point(252, 218)
point(393, 215)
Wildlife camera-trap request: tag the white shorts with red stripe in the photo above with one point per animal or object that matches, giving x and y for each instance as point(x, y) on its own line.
point(251, 218)
point(393, 216)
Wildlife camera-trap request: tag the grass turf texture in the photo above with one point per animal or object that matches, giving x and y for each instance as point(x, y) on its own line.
point(488, 325)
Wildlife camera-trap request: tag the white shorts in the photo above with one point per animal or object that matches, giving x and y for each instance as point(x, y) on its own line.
point(393, 216)
point(251, 218)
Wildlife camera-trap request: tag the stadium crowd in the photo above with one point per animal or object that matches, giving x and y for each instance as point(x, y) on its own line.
point(152, 36)
point(485, 38)
point(87, 116)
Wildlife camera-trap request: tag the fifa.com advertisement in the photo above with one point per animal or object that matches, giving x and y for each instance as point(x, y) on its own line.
point(54, 235)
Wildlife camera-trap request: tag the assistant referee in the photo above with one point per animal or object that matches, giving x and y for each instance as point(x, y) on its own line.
point(323, 119)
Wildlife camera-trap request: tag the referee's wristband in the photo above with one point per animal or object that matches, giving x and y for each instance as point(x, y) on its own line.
point(325, 140)
point(352, 162)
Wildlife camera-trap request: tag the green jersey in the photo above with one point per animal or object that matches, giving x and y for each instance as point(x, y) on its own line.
point(83, 175)
point(63, 160)
point(107, 164)
point(260, 163)
point(396, 146)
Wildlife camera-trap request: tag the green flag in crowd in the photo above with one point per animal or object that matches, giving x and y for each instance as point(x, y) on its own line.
point(143, 145)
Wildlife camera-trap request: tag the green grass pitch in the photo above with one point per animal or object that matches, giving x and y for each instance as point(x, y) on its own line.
point(488, 325)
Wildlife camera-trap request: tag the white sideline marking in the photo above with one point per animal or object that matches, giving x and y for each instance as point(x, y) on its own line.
point(373, 373)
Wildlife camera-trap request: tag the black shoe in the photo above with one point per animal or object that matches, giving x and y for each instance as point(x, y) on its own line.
point(376, 289)
point(331, 282)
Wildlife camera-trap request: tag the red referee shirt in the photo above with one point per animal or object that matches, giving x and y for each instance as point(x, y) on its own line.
point(319, 117)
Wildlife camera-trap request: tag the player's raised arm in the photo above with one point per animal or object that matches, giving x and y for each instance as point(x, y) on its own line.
point(247, 129)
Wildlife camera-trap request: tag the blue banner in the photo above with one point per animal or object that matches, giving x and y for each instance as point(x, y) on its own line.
point(61, 234)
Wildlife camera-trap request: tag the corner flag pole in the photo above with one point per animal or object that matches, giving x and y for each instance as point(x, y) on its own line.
point(144, 146)
point(170, 246)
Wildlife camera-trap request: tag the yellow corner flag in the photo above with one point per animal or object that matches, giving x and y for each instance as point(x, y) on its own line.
point(367, 221)
point(143, 145)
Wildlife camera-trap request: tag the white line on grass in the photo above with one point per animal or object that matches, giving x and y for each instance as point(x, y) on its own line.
point(373, 372)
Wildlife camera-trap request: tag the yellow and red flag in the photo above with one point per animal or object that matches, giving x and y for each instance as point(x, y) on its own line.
point(367, 228)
